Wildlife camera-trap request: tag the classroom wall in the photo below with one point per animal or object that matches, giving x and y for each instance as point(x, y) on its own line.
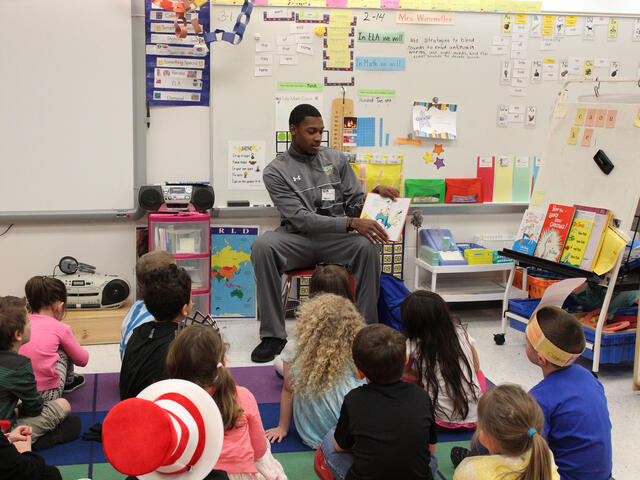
point(177, 149)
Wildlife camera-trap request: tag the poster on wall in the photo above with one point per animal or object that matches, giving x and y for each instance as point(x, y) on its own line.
point(434, 120)
point(246, 162)
point(177, 69)
point(233, 288)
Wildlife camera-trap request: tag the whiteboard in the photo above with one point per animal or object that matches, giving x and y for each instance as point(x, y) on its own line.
point(243, 105)
point(66, 96)
point(575, 179)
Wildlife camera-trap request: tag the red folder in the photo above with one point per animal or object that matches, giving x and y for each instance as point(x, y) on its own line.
point(486, 167)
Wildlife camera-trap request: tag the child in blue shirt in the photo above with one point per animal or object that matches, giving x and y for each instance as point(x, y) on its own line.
point(138, 313)
point(576, 417)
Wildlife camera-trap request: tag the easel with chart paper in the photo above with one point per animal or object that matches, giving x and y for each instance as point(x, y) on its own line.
point(579, 129)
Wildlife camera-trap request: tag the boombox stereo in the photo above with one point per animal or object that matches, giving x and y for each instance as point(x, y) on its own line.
point(176, 197)
point(88, 289)
point(95, 290)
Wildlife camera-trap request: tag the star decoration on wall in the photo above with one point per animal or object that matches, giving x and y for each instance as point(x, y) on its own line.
point(439, 163)
point(437, 149)
point(428, 158)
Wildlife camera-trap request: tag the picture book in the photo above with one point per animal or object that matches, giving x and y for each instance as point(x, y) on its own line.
point(554, 232)
point(529, 231)
point(391, 214)
point(601, 218)
point(576, 243)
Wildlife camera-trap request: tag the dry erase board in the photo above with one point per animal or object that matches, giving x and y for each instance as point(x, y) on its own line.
point(66, 96)
point(461, 63)
point(579, 130)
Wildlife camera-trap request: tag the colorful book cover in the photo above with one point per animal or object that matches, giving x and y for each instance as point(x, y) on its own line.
point(391, 214)
point(577, 241)
point(529, 231)
point(601, 218)
point(554, 231)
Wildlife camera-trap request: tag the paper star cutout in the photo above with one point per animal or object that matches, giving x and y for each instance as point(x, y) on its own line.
point(428, 158)
point(439, 163)
point(437, 149)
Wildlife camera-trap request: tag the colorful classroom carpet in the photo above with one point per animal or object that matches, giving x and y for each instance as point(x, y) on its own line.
point(81, 459)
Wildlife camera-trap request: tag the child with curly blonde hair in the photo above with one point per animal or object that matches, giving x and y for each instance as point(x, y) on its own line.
point(321, 371)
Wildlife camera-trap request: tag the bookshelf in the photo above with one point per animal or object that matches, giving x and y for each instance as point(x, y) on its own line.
point(186, 235)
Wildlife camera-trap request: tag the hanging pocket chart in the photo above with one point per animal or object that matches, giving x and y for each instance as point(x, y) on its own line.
point(503, 185)
point(485, 171)
point(521, 180)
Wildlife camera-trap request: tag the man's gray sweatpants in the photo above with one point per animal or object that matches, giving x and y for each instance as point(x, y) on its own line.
point(276, 252)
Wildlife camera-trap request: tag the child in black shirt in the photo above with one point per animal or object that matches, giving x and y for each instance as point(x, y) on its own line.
point(167, 295)
point(386, 428)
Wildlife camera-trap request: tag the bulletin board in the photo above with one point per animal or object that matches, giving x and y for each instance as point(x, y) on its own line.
point(461, 62)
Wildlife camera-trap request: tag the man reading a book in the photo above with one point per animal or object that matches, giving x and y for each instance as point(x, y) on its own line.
point(319, 199)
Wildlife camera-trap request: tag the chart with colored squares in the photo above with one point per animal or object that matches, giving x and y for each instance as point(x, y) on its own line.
point(283, 140)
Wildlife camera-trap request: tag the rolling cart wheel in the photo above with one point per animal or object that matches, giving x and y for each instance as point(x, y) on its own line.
point(498, 338)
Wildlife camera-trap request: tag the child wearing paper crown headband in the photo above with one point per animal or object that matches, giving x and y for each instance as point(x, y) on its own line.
point(576, 416)
point(510, 423)
point(197, 355)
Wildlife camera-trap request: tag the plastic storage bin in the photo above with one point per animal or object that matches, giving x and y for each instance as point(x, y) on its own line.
point(187, 236)
point(425, 190)
point(614, 347)
point(198, 270)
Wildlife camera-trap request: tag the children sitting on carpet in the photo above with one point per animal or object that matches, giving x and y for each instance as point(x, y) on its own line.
point(325, 279)
point(138, 313)
point(197, 355)
point(442, 358)
point(17, 460)
point(53, 349)
point(167, 296)
point(20, 401)
point(386, 428)
point(321, 371)
point(577, 424)
point(510, 426)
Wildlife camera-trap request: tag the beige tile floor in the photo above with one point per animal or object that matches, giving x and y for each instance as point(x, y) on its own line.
point(505, 363)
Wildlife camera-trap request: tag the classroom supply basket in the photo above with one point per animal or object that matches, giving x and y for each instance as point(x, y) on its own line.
point(539, 280)
point(495, 242)
point(475, 254)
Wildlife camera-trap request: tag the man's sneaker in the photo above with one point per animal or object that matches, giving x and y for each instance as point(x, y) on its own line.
point(458, 454)
point(67, 431)
point(78, 381)
point(268, 349)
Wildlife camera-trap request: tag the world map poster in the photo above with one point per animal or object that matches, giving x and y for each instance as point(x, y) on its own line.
point(233, 288)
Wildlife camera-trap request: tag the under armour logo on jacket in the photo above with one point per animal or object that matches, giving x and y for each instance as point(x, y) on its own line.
point(297, 179)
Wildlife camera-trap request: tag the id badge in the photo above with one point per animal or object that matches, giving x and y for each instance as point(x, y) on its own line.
point(328, 194)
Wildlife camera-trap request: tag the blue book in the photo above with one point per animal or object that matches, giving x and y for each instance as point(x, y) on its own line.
point(529, 232)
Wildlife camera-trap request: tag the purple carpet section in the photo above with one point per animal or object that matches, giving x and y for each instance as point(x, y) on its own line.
point(108, 393)
point(82, 399)
point(263, 382)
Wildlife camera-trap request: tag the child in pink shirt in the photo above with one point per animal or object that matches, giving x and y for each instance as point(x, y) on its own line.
point(53, 350)
point(197, 355)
